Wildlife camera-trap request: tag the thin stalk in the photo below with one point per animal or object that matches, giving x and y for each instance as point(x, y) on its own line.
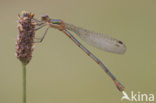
point(24, 83)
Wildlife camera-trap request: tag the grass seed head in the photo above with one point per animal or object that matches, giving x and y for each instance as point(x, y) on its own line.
point(25, 38)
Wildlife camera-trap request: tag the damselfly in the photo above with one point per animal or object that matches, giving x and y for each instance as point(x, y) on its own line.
point(97, 40)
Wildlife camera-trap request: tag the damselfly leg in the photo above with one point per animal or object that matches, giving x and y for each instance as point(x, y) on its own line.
point(42, 38)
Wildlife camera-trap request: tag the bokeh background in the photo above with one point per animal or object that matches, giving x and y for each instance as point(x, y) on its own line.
point(60, 72)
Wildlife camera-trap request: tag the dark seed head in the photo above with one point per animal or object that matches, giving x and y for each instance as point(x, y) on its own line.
point(25, 38)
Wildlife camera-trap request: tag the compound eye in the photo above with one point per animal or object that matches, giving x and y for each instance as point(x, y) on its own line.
point(44, 17)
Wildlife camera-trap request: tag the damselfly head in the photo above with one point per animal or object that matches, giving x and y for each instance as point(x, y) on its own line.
point(44, 18)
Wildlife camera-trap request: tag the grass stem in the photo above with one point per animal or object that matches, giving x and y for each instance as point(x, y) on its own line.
point(24, 83)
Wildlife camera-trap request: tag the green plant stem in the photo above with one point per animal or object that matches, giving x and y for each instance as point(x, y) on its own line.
point(24, 83)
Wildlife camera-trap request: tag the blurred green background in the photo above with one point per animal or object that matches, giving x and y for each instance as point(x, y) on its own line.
point(60, 72)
